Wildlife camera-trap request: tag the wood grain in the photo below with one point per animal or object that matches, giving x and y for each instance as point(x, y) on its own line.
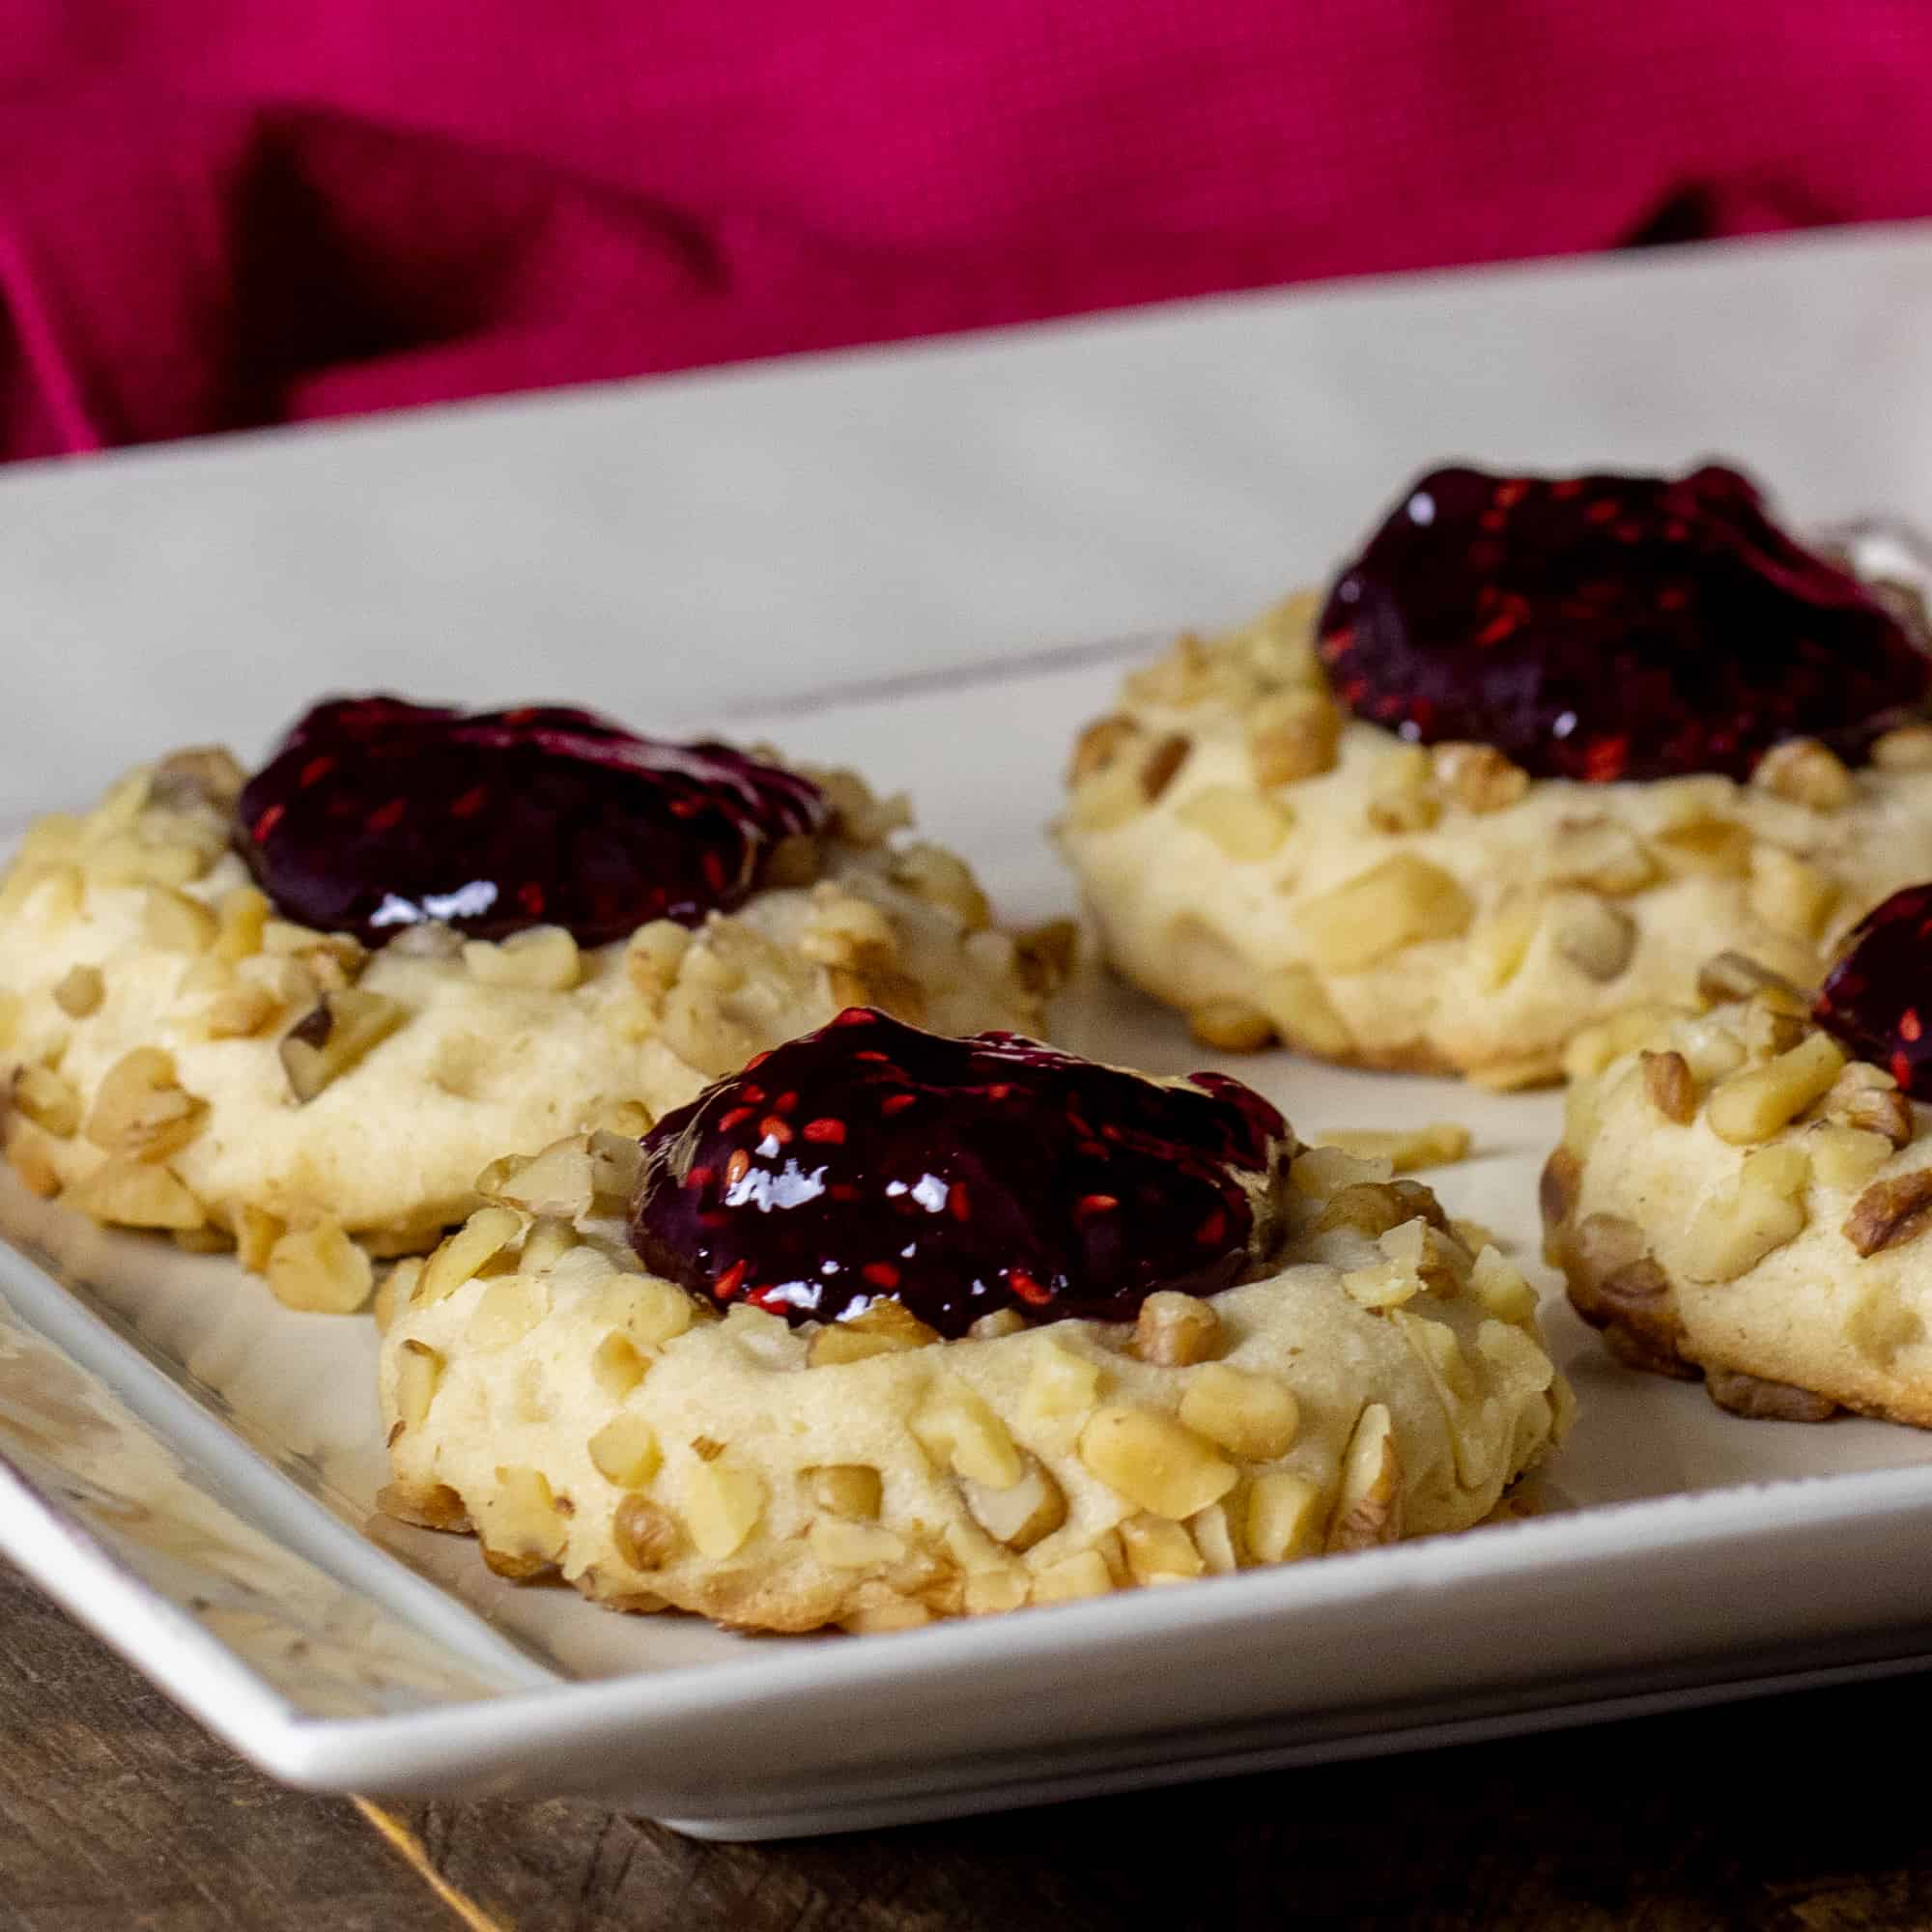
point(116, 1811)
point(1799, 1814)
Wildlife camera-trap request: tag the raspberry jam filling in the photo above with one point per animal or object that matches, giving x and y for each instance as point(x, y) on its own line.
point(870, 1161)
point(377, 814)
point(1877, 1000)
point(1611, 627)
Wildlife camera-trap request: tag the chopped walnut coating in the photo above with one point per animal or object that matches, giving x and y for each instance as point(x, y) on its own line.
point(1618, 1289)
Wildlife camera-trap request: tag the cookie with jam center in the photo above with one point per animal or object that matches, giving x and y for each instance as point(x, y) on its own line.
point(889, 1327)
point(1743, 1195)
point(1542, 746)
point(295, 1012)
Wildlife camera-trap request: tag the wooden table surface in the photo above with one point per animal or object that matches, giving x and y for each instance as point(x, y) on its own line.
point(1795, 1815)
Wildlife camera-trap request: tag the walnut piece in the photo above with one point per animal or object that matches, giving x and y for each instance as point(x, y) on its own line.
point(1368, 1511)
point(173, 923)
point(1714, 847)
point(942, 878)
point(336, 1035)
point(1062, 1386)
point(79, 991)
point(1044, 955)
point(1174, 1330)
point(1909, 749)
point(886, 1329)
point(1099, 745)
point(47, 1099)
point(1667, 1081)
point(485, 1234)
point(141, 1110)
point(1403, 795)
point(1162, 763)
point(1803, 771)
point(1159, 1551)
point(1736, 976)
point(1303, 1015)
point(853, 1489)
point(1231, 1026)
point(1760, 1400)
point(1292, 735)
point(646, 1534)
point(1020, 1513)
point(1746, 1218)
point(1479, 777)
point(853, 1546)
point(625, 1450)
point(1370, 1208)
point(1597, 938)
point(1891, 1212)
point(957, 1427)
point(320, 1269)
point(204, 777)
point(1246, 826)
point(1253, 1416)
point(724, 1502)
point(1845, 1157)
point(1406, 1149)
point(433, 1506)
point(1789, 893)
point(1398, 903)
point(1599, 855)
point(419, 1369)
point(1866, 1098)
point(557, 1181)
point(542, 958)
point(1284, 1518)
point(1085, 1574)
point(1155, 1462)
point(1756, 1102)
point(136, 1194)
point(1557, 1188)
point(509, 1308)
point(616, 1366)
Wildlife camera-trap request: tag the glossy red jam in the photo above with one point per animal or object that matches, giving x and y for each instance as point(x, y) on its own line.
point(1613, 627)
point(377, 814)
point(870, 1161)
point(1877, 1000)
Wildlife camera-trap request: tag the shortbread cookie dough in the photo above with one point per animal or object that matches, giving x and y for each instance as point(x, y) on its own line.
point(1737, 1200)
point(1294, 831)
point(182, 1055)
point(934, 1434)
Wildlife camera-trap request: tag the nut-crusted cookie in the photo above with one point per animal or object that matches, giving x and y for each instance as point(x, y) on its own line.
point(182, 1055)
point(1280, 830)
point(733, 1443)
point(1736, 1199)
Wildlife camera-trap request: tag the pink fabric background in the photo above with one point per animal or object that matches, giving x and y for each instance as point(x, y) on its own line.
point(221, 212)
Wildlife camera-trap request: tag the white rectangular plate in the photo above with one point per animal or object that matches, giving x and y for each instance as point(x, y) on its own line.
point(191, 1469)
